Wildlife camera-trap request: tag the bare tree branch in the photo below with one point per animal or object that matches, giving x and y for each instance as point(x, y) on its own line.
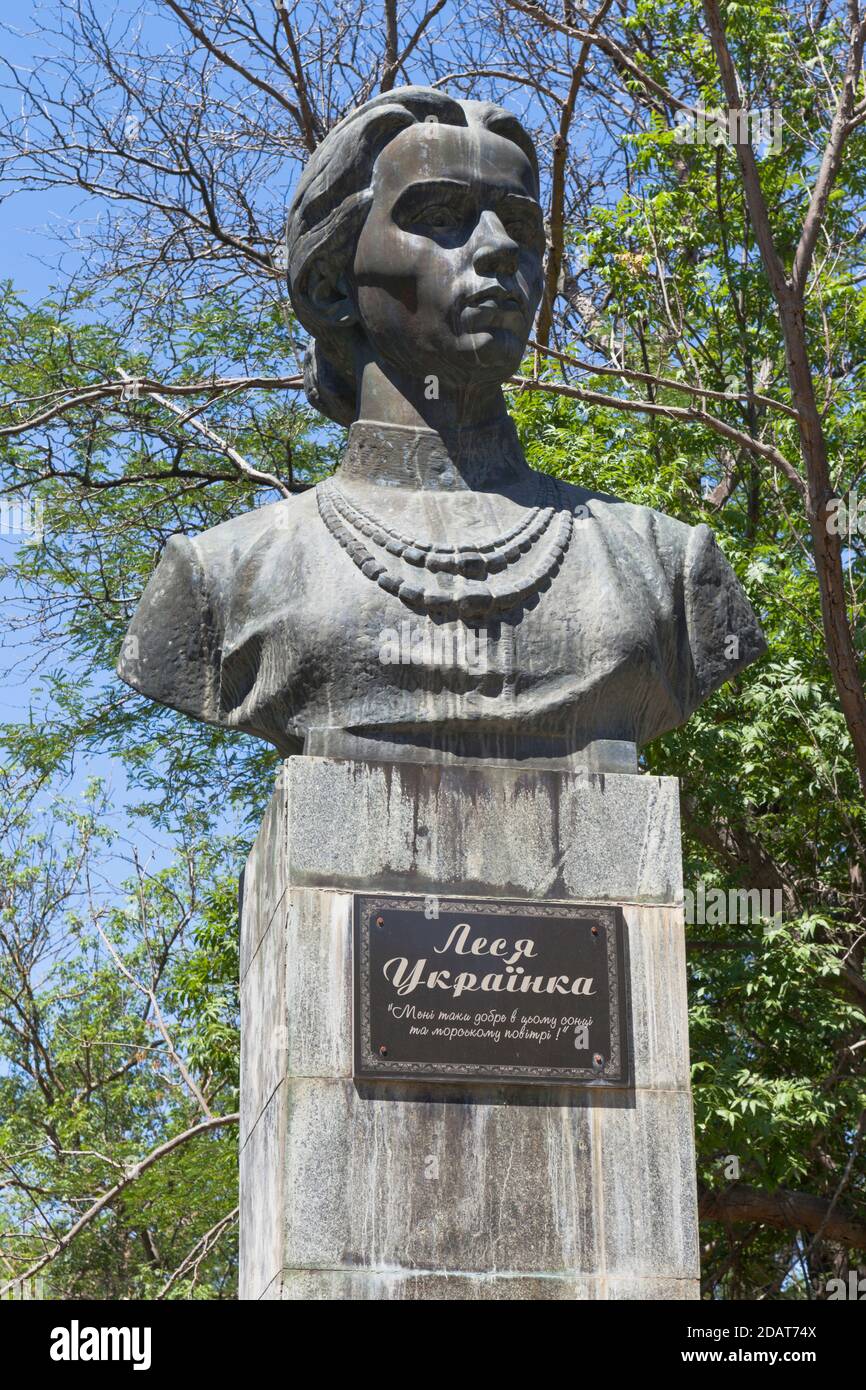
point(133, 1172)
point(787, 1211)
point(670, 412)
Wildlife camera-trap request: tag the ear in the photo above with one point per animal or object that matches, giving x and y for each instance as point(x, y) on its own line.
point(329, 295)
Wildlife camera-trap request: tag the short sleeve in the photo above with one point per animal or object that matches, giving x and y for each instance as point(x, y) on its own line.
point(171, 651)
point(724, 635)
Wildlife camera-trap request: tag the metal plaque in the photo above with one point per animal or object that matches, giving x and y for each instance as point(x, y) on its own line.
point(497, 991)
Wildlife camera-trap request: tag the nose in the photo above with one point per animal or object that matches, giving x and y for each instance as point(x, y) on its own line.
point(496, 253)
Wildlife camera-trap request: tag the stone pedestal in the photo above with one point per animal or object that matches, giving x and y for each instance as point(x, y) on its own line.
point(419, 1190)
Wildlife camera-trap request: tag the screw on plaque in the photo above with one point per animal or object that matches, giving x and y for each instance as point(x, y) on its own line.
point(598, 1060)
point(383, 1051)
point(380, 921)
point(594, 931)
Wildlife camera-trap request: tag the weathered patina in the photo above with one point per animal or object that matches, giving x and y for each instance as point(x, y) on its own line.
point(415, 249)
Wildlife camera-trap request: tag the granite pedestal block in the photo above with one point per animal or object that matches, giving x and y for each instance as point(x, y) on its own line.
point(458, 1190)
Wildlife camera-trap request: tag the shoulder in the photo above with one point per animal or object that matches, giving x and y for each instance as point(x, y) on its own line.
point(221, 549)
point(683, 550)
point(172, 651)
point(660, 541)
point(617, 512)
point(714, 632)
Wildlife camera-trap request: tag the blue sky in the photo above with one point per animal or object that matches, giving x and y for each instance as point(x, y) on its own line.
point(34, 233)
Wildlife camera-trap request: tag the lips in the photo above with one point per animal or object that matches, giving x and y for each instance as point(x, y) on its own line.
point(494, 297)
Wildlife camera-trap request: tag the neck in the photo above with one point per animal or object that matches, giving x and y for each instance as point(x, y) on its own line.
point(474, 458)
point(461, 441)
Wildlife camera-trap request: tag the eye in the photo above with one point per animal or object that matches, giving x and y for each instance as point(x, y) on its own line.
point(524, 224)
point(439, 217)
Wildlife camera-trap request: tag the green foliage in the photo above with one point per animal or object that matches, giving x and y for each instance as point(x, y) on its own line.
point(88, 1083)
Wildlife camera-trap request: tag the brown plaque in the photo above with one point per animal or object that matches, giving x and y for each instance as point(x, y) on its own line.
point(497, 991)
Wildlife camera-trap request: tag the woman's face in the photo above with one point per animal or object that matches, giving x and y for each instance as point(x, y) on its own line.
point(448, 267)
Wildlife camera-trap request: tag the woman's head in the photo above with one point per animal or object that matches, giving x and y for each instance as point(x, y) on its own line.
point(415, 238)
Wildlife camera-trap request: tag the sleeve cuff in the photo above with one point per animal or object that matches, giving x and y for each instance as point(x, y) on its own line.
point(171, 649)
point(723, 632)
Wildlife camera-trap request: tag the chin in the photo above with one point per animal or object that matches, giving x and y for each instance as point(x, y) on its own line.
point(499, 352)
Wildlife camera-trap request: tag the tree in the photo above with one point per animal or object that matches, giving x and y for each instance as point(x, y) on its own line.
point(700, 349)
point(119, 1013)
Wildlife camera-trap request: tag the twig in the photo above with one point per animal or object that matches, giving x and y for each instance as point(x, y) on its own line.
point(202, 1247)
point(132, 1173)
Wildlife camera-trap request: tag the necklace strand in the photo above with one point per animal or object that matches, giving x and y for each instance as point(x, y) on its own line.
point(469, 598)
point(473, 561)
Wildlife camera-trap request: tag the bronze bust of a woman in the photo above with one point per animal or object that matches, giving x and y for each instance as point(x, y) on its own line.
point(436, 599)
